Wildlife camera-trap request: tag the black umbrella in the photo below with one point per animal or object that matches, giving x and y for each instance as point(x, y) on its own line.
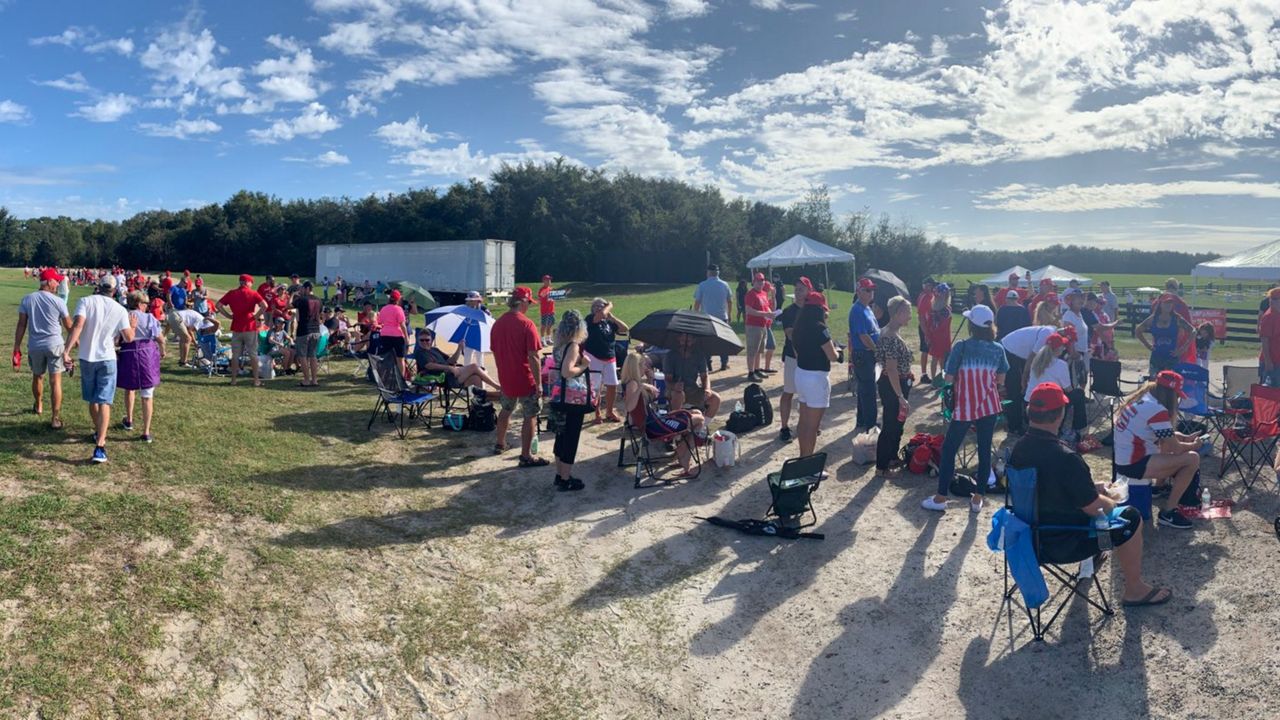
point(888, 285)
point(712, 336)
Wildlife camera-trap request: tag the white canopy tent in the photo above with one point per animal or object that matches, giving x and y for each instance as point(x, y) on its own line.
point(1001, 279)
point(1257, 263)
point(1058, 275)
point(800, 250)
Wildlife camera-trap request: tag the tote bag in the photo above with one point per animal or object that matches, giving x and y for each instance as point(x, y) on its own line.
point(571, 393)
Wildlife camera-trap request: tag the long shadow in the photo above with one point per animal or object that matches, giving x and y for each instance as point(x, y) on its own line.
point(888, 643)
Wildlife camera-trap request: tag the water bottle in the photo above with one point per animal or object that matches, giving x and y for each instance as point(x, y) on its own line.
point(1103, 526)
point(533, 446)
point(737, 407)
point(1204, 499)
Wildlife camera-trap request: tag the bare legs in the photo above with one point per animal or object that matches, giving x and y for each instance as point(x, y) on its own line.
point(807, 428)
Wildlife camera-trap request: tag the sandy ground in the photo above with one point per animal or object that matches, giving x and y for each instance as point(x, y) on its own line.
point(615, 602)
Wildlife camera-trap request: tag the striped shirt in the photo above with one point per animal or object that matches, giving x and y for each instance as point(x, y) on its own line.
point(1139, 429)
point(975, 365)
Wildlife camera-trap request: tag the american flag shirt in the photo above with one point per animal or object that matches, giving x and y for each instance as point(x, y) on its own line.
point(1139, 429)
point(975, 364)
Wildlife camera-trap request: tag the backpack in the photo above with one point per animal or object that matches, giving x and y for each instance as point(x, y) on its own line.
point(756, 403)
point(918, 460)
point(482, 417)
point(740, 422)
point(963, 486)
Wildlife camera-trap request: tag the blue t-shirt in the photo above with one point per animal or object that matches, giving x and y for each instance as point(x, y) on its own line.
point(863, 322)
point(178, 296)
point(713, 294)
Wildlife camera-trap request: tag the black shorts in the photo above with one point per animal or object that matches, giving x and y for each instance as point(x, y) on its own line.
point(1061, 548)
point(1137, 470)
point(924, 344)
point(393, 345)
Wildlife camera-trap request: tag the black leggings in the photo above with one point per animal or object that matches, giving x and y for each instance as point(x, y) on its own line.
point(1015, 392)
point(891, 427)
point(566, 447)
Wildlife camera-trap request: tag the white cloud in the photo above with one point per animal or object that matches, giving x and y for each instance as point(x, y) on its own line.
point(123, 46)
point(460, 162)
point(680, 9)
point(903, 196)
point(74, 82)
point(1078, 198)
point(291, 77)
point(325, 159)
point(68, 38)
point(109, 108)
point(182, 129)
point(626, 137)
point(12, 112)
point(408, 134)
point(782, 5)
point(185, 64)
point(89, 39)
point(572, 86)
point(357, 106)
point(352, 38)
point(314, 121)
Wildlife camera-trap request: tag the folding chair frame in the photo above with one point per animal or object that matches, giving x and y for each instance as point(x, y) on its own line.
point(642, 458)
point(1237, 450)
point(410, 404)
point(807, 473)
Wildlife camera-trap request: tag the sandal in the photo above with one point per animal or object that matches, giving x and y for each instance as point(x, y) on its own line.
point(528, 462)
point(499, 449)
point(612, 418)
point(1151, 599)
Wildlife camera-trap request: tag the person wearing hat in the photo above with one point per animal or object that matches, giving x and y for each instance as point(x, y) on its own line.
point(1148, 445)
point(138, 366)
point(975, 368)
point(246, 308)
point(714, 297)
point(788, 320)
point(864, 333)
point(1014, 289)
point(599, 348)
point(100, 321)
point(1051, 363)
point(394, 329)
point(471, 335)
point(547, 309)
point(759, 320)
point(937, 325)
point(815, 351)
point(1066, 495)
point(42, 316)
point(515, 344)
point(1165, 334)
point(924, 306)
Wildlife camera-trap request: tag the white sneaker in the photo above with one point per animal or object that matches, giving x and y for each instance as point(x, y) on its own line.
point(975, 507)
point(930, 504)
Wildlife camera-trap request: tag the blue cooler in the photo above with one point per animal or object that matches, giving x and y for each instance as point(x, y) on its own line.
point(1140, 497)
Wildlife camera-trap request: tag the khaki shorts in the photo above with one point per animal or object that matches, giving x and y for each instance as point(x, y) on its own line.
point(530, 405)
point(755, 339)
point(244, 343)
point(307, 346)
point(176, 326)
point(45, 361)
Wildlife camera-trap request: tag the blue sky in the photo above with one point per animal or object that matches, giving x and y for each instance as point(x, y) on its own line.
point(1128, 123)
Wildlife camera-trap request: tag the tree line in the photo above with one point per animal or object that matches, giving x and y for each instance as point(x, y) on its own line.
point(567, 220)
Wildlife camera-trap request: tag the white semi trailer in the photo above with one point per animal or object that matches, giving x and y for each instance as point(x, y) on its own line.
point(448, 268)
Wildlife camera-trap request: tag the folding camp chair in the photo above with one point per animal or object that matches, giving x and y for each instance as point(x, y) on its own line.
point(393, 391)
point(1250, 449)
point(636, 449)
point(792, 488)
point(1021, 499)
point(1236, 380)
point(1106, 386)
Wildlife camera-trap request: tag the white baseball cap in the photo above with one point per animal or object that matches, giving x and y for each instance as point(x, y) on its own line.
point(980, 315)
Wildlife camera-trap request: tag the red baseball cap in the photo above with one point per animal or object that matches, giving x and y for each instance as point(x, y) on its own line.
point(246, 278)
point(546, 277)
point(1047, 396)
point(809, 283)
point(186, 272)
point(816, 298)
point(1069, 332)
point(48, 274)
point(1057, 340)
point(395, 295)
point(1172, 380)
point(523, 294)
point(866, 283)
point(1045, 281)
point(758, 276)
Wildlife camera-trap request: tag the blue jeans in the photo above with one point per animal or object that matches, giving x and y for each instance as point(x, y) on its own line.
point(864, 372)
point(98, 381)
point(956, 432)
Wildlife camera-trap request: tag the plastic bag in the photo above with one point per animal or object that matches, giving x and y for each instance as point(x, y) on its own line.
point(864, 446)
point(724, 448)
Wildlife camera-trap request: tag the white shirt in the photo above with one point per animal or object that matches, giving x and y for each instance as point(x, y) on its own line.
point(193, 319)
point(1057, 372)
point(1025, 342)
point(1082, 330)
point(104, 319)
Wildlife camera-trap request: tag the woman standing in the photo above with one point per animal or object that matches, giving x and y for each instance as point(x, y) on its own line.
point(981, 295)
point(976, 369)
point(570, 364)
point(939, 325)
point(894, 385)
point(815, 352)
point(139, 369)
point(602, 333)
point(1170, 335)
point(391, 320)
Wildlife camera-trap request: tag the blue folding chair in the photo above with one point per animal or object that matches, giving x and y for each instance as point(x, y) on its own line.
point(1195, 383)
point(393, 391)
point(1021, 499)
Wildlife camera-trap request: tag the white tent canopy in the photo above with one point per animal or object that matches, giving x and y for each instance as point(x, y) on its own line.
point(799, 250)
point(1058, 276)
point(1257, 263)
point(1001, 279)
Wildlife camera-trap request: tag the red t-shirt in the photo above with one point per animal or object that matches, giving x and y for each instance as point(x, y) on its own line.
point(166, 284)
point(511, 339)
point(759, 300)
point(279, 306)
point(157, 308)
point(546, 305)
point(1269, 331)
point(242, 302)
point(1003, 292)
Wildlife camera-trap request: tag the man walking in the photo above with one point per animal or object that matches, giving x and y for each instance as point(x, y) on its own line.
point(924, 306)
point(864, 332)
point(307, 343)
point(515, 344)
point(714, 297)
point(788, 319)
point(245, 307)
point(99, 320)
point(45, 315)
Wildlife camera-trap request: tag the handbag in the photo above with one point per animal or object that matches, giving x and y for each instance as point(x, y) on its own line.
point(572, 392)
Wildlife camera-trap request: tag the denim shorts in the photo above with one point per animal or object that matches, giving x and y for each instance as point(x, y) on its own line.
point(98, 381)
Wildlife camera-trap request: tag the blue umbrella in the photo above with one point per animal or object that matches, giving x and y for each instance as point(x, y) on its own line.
point(461, 323)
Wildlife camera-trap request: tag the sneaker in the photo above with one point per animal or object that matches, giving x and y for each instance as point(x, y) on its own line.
point(924, 379)
point(723, 367)
point(561, 484)
point(127, 424)
point(1174, 519)
point(146, 437)
point(975, 507)
point(930, 504)
point(785, 434)
point(99, 455)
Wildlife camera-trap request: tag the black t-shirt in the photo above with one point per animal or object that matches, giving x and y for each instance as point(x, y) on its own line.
point(1063, 482)
point(788, 320)
point(684, 368)
point(1090, 318)
point(809, 339)
point(779, 295)
point(1010, 318)
point(600, 338)
point(309, 309)
point(332, 324)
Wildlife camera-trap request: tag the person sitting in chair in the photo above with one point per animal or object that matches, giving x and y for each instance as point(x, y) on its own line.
point(687, 382)
point(436, 369)
point(638, 396)
point(1147, 444)
point(1067, 495)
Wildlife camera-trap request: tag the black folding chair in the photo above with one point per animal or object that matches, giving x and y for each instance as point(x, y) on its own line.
point(636, 449)
point(1021, 499)
point(1106, 387)
point(792, 488)
point(393, 391)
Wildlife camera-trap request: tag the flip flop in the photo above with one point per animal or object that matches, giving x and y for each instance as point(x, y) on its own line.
point(1150, 598)
point(499, 449)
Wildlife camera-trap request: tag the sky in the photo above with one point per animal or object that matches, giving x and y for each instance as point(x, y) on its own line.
point(1122, 123)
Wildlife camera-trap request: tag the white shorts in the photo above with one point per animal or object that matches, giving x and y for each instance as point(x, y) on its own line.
point(789, 376)
point(813, 388)
point(603, 372)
